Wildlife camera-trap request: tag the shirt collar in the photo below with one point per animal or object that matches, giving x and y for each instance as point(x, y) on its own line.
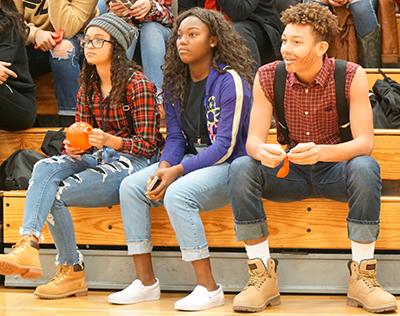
point(320, 79)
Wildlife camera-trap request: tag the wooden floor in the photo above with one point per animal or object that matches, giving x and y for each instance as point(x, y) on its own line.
point(21, 302)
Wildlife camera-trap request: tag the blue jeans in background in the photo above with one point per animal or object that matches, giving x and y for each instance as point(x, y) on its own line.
point(356, 181)
point(364, 15)
point(153, 38)
point(202, 190)
point(60, 182)
point(66, 71)
point(101, 5)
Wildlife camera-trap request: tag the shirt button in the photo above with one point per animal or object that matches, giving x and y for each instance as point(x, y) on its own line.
point(306, 91)
point(308, 133)
point(306, 112)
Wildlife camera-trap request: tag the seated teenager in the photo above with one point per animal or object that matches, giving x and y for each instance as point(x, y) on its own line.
point(109, 82)
point(321, 162)
point(207, 100)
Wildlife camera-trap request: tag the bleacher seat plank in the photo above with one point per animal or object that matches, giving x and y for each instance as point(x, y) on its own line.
point(31, 138)
point(46, 102)
point(387, 153)
point(309, 224)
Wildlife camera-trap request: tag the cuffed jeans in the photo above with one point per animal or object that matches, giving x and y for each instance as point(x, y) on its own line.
point(153, 44)
point(356, 181)
point(60, 182)
point(65, 70)
point(202, 190)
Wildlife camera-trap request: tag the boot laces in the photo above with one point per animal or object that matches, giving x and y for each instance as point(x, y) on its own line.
point(257, 279)
point(369, 278)
point(61, 273)
point(21, 244)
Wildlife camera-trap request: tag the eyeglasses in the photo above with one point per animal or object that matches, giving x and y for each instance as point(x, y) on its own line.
point(96, 42)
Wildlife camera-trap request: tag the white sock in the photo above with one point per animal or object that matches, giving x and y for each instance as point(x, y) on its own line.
point(361, 251)
point(259, 251)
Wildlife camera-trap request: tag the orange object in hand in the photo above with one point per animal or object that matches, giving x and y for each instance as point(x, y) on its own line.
point(57, 39)
point(77, 137)
point(284, 170)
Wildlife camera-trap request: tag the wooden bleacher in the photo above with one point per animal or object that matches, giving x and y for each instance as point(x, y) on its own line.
point(311, 224)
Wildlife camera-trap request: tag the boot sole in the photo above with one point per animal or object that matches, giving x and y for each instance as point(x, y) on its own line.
point(26, 272)
point(272, 301)
point(77, 293)
point(385, 308)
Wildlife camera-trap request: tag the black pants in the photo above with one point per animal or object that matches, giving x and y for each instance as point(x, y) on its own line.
point(257, 40)
point(17, 112)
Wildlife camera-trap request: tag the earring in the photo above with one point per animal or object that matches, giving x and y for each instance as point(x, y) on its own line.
point(212, 45)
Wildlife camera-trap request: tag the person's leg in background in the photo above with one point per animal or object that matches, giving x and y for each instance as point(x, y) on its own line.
point(257, 40)
point(368, 31)
point(130, 52)
point(153, 44)
point(248, 30)
point(18, 112)
point(64, 61)
point(101, 5)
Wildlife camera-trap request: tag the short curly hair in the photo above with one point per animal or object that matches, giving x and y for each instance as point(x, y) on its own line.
point(321, 19)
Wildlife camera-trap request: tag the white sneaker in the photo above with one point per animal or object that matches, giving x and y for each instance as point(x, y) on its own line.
point(201, 299)
point(135, 293)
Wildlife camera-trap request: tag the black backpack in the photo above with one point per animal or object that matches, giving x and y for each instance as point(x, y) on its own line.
point(341, 102)
point(17, 169)
point(385, 103)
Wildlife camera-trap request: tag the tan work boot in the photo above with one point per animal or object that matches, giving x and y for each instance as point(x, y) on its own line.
point(67, 281)
point(23, 259)
point(261, 290)
point(365, 291)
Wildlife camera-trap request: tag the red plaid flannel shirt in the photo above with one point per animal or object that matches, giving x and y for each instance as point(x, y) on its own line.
point(310, 109)
point(145, 115)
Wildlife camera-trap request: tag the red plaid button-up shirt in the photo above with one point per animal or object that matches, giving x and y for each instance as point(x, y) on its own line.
point(145, 115)
point(310, 109)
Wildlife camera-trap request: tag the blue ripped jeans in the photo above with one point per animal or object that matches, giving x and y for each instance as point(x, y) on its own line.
point(356, 181)
point(65, 70)
point(60, 182)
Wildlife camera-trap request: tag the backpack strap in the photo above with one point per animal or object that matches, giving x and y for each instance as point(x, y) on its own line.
point(279, 99)
point(127, 110)
point(341, 101)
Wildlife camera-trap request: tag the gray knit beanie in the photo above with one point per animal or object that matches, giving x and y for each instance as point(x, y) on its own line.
point(116, 27)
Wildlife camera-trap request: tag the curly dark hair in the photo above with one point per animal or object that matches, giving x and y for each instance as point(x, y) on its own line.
point(322, 20)
point(120, 69)
point(18, 26)
point(230, 50)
